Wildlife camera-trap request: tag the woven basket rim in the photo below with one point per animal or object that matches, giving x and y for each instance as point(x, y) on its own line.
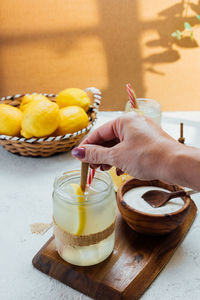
point(97, 100)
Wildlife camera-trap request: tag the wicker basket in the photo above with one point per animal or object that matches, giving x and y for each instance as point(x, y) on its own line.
point(50, 145)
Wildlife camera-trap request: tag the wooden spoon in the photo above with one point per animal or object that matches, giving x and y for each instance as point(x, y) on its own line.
point(84, 173)
point(157, 198)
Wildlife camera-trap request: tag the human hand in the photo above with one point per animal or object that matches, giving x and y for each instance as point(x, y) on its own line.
point(132, 143)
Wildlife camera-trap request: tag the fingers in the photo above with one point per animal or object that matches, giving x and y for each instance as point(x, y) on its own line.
point(111, 143)
point(94, 154)
point(119, 172)
point(105, 167)
point(102, 135)
point(93, 166)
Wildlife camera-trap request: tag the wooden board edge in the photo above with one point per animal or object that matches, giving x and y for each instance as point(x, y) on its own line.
point(41, 263)
point(35, 258)
point(160, 264)
point(99, 289)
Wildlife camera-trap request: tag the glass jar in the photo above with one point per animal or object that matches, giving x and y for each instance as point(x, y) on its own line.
point(84, 225)
point(148, 107)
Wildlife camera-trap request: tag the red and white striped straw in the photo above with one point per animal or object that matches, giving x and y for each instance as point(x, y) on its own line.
point(90, 176)
point(132, 96)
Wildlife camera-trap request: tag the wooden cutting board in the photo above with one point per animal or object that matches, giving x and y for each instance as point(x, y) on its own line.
point(133, 265)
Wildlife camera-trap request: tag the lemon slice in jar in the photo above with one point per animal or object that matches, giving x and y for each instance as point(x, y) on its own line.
point(118, 180)
point(77, 191)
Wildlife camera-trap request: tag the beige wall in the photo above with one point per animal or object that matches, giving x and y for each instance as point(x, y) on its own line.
point(49, 45)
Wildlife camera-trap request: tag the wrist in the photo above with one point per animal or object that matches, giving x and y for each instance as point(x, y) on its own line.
point(181, 166)
point(171, 156)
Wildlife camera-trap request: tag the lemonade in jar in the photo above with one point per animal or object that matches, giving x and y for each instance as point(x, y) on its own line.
point(149, 107)
point(84, 223)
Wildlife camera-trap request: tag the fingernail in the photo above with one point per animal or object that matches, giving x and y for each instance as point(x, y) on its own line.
point(104, 167)
point(119, 172)
point(94, 166)
point(78, 152)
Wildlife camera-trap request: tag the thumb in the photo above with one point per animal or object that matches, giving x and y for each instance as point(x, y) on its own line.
point(93, 154)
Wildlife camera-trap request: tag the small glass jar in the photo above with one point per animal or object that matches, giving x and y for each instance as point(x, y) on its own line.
point(148, 107)
point(84, 225)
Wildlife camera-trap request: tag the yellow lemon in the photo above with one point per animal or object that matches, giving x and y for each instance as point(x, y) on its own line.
point(10, 120)
point(73, 97)
point(40, 119)
point(118, 180)
point(81, 209)
point(72, 119)
point(27, 99)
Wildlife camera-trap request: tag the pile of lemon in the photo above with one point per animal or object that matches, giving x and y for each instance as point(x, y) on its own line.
point(37, 116)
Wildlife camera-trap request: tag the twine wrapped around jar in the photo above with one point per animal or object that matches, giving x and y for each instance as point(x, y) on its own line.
point(68, 239)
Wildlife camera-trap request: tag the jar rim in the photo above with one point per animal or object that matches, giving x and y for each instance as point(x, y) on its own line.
point(153, 101)
point(73, 200)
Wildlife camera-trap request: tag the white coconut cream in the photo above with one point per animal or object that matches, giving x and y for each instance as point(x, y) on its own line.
point(134, 199)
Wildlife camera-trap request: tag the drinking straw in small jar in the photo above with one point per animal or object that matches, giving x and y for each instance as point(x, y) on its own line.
point(90, 176)
point(132, 96)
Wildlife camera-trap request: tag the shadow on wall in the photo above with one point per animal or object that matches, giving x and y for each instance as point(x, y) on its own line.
point(169, 20)
point(120, 35)
point(119, 30)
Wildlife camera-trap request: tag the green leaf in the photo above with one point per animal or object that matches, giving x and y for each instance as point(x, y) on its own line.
point(187, 26)
point(178, 34)
point(174, 34)
point(198, 17)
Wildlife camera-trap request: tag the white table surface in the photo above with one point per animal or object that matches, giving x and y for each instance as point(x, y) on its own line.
point(25, 198)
